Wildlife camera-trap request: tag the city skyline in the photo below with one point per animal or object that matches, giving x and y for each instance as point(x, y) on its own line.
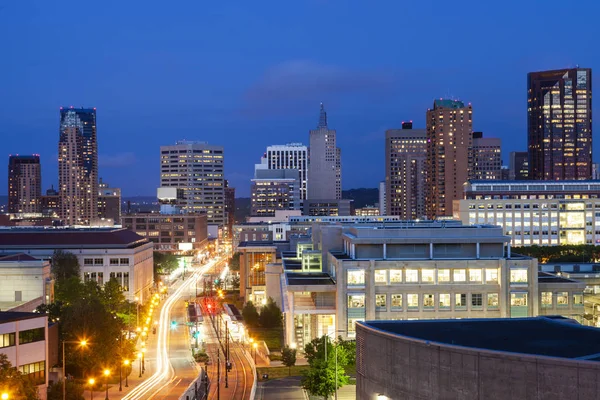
point(366, 88)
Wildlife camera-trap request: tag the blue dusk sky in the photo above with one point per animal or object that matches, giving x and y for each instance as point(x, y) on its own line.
point(247, 74)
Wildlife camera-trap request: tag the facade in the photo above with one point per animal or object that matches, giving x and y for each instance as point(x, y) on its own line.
point(595, 171)
point(25, 279)
point(254, 257)
point(324, 166)
point(487, 159)
point(102, 253)
point(78, 166)
point(559, 295)
point(449, 155)
point(274, 189)
point(24, 184)
point(24, 339)
point(559, 124)
point(429, 270)
point(367, 211)
point(265, 232)
point(405, 162)
point(197, 168)
point(50, 203)
point(382, 198)
point(170, 232)
point(288, 156)
point(518, 166)
point(327, 207)
point(487, 359)
point(534, 212)
point(109, 202)
point(229, 208)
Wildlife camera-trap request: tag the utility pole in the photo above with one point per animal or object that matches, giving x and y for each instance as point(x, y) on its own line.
point(226, 354)
point(218, 374)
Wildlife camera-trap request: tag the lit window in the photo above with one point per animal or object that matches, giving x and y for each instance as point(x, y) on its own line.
point(380, 301)
point(428, 301)
point(356, 301)
point(562, 299)
point(546, 299)
point(443, 275)
point(518, 299)
point(396, 301)
point(578, 299)
point(491, 275)
point(492, 301)
point(427, 275)
point(518, 276)
point(460, 275)
point(413, 301)
point(444, 300)
point(356, 277)
point(460, 300)
point(412, 275)
point(381, 276)
point(475, 275)
point(395, 276)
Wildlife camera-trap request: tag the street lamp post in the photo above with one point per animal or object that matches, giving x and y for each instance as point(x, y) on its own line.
point(81, 343)
point(127, 364)
point(91, 381)
point(140, 357)
point(106, 375)
point(4, 396)
point(254, 345)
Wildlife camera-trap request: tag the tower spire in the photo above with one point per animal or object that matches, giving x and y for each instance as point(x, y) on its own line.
point(322, 118)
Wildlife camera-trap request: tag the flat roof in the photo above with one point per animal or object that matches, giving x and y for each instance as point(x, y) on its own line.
point(309, 278)
point(11, 316)
point(552, 337)
point(545, 277)
point(17, 257)
point(69, 238)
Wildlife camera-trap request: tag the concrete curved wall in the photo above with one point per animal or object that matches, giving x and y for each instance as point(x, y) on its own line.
point(401, 367)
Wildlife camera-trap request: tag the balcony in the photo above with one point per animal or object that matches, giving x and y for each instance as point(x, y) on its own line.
point(314, 302)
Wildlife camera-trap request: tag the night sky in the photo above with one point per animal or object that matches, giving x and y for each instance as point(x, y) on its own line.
point(247, 74)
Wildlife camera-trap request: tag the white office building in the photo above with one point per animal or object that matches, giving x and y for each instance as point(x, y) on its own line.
point(288, 156)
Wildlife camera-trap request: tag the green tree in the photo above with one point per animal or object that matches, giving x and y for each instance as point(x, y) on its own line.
point(14, 382)
point(350, 347)
point(320, 380)
point(164, 263)
point(74, 391)
point(288, 358)
point(234, 261)
point(64, 265)
point(112, 296)
point(69, 290)
point(235, 282)
point(250, 314)
point(270, 315)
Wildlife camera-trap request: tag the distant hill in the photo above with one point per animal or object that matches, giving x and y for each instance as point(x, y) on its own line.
point(362, 197)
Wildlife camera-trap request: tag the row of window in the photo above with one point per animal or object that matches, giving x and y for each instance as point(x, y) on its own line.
point(562, 299)
point(100, 261)
point(356, 277)
point(26, 336)
point(444, 301)
point(35, 371)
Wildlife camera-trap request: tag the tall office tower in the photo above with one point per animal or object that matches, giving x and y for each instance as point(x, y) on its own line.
point(382, 198)
point(78, 166)
point(559, 124)
point(274, 189)
point(197, 168)
point(109, 202)
point(595, 171)
point(405, 160)
point(518, 166)
point(24, 184)
point(324, 162)
point(487, 161)
point(288, 156)
point(449, 155)
point(229, 208)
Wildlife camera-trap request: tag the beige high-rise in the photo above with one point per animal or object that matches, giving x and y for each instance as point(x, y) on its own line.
point(449, 155)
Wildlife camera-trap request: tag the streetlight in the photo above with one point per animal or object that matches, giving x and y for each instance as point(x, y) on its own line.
point(254, 345)
point(91, 381)
point(81, 343)
point(106, 375)
point(140, 357)
point(143, 360)
point(127, 363)
point(4, 396)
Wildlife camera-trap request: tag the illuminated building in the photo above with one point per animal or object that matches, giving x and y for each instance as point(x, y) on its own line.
point(324, 167)
point(229, 208)
point(449, 155)
point(559, 124)
point(405, 159)
point(535, 212)
point(274, 189)
point(487, 160)
point(197, 168)
point(288, 156)
point(109, 202)
point(78, 166)
point(518, 166)
point(24, 184)
point(367, 211)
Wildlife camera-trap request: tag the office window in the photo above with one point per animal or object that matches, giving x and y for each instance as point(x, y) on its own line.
point(396, 301)
point(412, 301)
point(356, 277)
point(114, 261)
point(444, 302)
point(460, 300)
point(518, 299)
point(476, 300)
point(32, 335)
point(395, 276)
point(460, 275)
point(356, 301)
point(562, 299)
point(428, 301)
point(578, 299)
point(352, 326)
point(98, 261)
point(381, 276)
point(475, 275)
point(427, 275)
point(443, 275)
point(412, 275)
point(380, 301)
point(7, 340)
point(546, 299)
point(518, 276)
point(88, 261)
point(491, 275)
point(492, 301)
point(35, 371)
point(124, 261)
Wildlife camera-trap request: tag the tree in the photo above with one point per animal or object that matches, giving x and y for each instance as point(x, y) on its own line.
point(250, 314)
point(74, 391)
point(234, 261)
point(235, 282)
point(320, 380)
point(288, 357)
point(13, 381)
point(164, 263)
point(64, 265)
point(270, 315)
point(112, 295)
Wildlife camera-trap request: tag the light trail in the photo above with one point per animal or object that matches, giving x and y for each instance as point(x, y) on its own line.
point(164, 369)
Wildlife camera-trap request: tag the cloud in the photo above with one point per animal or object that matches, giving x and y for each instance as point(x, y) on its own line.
point(298, 81)
point(116, 160)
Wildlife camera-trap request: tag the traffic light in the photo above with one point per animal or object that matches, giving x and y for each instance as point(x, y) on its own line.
point(217, 281)
point(173, 324)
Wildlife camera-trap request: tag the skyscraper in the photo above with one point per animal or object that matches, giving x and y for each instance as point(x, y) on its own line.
point(405, 159)
point(487, 159)
point(324, 163)
point(197, 168)
point(518, 166)
point(449, 155)
point(229, 208)
point(109, 202)
point(559, 124)
point(274, 190)
point(289, 156)
point(78, 166)
point(24, 184)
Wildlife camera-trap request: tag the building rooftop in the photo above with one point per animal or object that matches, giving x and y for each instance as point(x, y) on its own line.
point(11, 316)
point(311, 278)
point(543, 336)
point(17, 257)
point(448, 103)
point(68, 238)
point(545, 277)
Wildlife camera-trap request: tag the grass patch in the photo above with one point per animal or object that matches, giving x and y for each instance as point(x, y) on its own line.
point(272, 337)
point(281, 372)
